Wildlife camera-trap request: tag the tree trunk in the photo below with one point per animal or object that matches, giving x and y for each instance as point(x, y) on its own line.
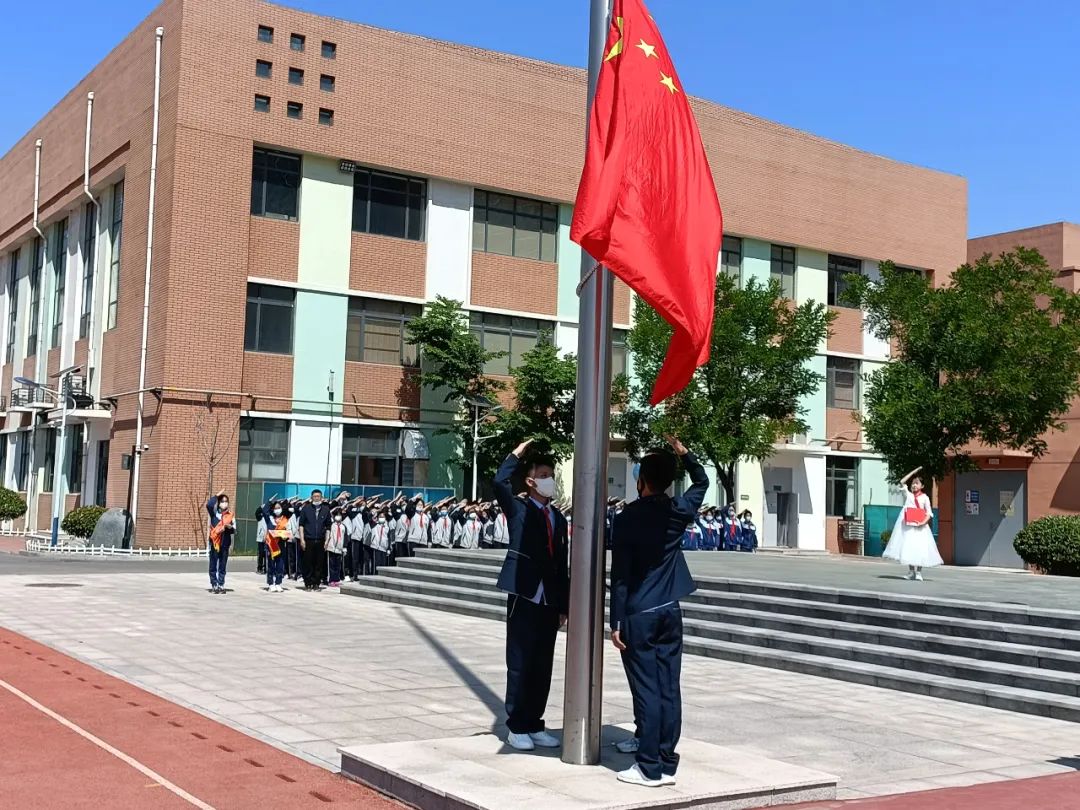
point(725, 474)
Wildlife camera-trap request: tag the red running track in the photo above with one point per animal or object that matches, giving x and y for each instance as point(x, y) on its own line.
point(45, 764)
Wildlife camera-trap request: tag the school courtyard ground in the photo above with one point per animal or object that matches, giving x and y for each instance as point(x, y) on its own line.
point(304, 674)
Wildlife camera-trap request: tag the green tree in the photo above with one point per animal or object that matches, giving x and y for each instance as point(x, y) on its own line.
point(543, 385)
point(747, 397)
point(993, 358)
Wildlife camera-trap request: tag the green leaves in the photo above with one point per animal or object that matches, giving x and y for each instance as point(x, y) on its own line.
point(993, 358)
point(747, 397)
point(453, 358)
point(1051, 543)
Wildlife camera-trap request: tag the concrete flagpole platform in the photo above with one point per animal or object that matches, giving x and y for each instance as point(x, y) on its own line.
point(482, 773)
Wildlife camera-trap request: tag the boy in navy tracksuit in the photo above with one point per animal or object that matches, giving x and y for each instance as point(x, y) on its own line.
point(649, 576)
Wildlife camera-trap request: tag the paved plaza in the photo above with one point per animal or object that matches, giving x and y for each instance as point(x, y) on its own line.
point(312, 672)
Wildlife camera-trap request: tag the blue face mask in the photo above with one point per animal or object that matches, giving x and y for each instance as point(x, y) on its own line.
point(442, 513)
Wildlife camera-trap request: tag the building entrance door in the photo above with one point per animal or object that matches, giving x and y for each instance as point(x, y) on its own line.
point(991, 508)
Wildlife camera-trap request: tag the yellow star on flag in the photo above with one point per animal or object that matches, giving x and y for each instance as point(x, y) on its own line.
point(668, 82)
point(617, 48)
point(648, 50)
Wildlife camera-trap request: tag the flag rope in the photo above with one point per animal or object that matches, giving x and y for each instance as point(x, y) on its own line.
point(585, 280)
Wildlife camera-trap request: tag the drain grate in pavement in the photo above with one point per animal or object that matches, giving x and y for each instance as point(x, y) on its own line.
point(53, 585)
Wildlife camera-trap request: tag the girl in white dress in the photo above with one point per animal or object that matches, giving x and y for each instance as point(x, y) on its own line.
point(912, 543)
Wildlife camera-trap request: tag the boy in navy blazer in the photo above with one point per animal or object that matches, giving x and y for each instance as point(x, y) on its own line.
point(536, 579)
point(649, 576)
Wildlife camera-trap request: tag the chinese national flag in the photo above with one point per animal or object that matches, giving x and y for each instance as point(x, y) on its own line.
point(647, 207)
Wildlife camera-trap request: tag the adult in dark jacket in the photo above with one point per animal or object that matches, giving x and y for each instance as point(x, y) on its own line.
point(536, 579)
point(649, 576)
point(313, 524)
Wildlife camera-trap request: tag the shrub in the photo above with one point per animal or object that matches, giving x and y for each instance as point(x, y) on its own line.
point(1051, 544)
point(11, 505)
point(81, 522)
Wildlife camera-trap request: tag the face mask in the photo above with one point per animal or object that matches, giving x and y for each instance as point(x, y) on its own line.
point(472, 517)
point(442, 513)
point(545, 487)
point(337, 518)
point(382, 520)
point(277, 513)
point(223, 506)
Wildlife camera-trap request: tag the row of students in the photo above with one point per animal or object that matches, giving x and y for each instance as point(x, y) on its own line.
point(720, 529)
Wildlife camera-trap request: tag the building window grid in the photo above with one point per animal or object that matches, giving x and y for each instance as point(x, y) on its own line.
point(89, 258)
point(387, 204)
point(327, 83)
point(116, 232)
point(294, 109)
point(266, 33)
point(326, 117)
point(376, 332)
point(619, 353)
point(37, 262)
point(275, 184)
point(296, 76)
point(101, 487)
point(329, 50)
point(268, 327)
point(263, 449)
point(510, 334)
point(842, 487)
point(3, 461)
point(838, 267)
point(782, 268)
point(371, 456)
point(515, 226)
point(842, 375)
point(296, 42)
point(22, 468)
point(262, 103)
point(13, 304)
point(731, 258)
point(48, 479)
point(74, 461)
point(59, 262)
point(263, 68)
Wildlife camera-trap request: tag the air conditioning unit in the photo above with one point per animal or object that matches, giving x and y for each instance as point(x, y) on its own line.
point(798, 438)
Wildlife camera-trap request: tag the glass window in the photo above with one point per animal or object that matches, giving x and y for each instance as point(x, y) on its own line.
point(503, 333)
point(842, 487)
point(22, 468)
point(294, 109)
point(266, 33)
point(840, 266)
point(102, 487)
point(376, 332)
point(326, 117)
point(262, 103)
point(47, 477)
point(13, 303)
point(326, 84)
point(74, 452)
point(116, 230)
point(731, 258)
point(296, 41)
point(88, 251)
point(269, 319)
point(373, 456)
point(514, 226)
point(389, 204)
point(619, 353)
point(782, 269)
point(329, 50)
point(263, 69)
point(296, 76)
point(275, 184)
point(842, 383)
point(59, 263)
point(264, 449)
point(3, 461)
point(37, 262)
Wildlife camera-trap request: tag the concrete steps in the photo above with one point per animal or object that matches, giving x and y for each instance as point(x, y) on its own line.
point(1004, 656)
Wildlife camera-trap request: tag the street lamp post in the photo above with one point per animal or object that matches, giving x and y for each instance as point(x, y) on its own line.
point(61, 396)
point(478, 405)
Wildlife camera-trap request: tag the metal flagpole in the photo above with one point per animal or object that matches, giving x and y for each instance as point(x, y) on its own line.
point(585, 632)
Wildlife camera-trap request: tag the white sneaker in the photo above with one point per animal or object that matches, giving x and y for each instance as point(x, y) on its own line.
point(667, 779)
point(520, 742)
point(630, 746)
point(544, 739)
point(918, 577)
point(910, 576)
point(634, 776)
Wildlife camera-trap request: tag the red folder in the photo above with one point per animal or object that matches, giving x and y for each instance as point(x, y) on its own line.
point(913, 516)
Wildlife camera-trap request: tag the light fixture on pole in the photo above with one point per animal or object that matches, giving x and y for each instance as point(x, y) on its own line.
point(479, 404)
point(62, 395)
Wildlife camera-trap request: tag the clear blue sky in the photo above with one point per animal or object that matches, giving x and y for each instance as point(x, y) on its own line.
point(982, 88)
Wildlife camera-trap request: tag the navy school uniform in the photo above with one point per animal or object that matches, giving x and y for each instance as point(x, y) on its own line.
point(749, 536)
point(730, 534)
point(535, 578)
point(649, 576)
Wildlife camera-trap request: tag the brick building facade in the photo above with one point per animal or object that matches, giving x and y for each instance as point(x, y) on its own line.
point(318, 182)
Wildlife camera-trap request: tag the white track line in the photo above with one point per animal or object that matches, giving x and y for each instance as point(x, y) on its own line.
point(134, 763)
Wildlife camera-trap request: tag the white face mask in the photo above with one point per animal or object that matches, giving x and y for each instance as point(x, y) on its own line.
point(545, 487)
point(223, 506)
point(382, 520)
point(277, 513)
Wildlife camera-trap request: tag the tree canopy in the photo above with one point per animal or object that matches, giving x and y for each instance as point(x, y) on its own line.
point(750, 393)
point(992, 358)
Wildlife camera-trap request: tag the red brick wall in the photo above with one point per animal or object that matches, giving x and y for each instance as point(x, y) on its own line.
point(377, 391)
point(846, 333)
point(270, 375)
point(381, 264)
point(273, 248)
point(621, 303)
point(505, 282)
point(843, 430)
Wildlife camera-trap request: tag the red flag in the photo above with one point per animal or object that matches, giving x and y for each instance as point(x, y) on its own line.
point(647, 206)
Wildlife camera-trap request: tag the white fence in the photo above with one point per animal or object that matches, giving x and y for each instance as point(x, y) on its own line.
point(42, 545)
